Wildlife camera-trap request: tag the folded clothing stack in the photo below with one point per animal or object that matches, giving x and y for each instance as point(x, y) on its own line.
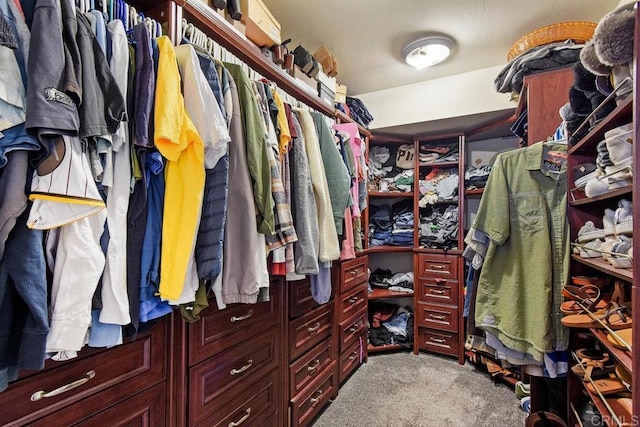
point(391, 169)
point(385, 279)
point(391, 225)
point(440, 185)
point(438, 153)
point(476, 177)
point(439, 227)
point(390, 324)
point(359, 112)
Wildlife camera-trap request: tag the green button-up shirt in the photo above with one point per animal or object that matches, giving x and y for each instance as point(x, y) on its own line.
point(523, 211)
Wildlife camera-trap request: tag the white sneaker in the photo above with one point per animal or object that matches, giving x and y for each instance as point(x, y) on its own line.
point(587, 252)
point(589, 232)
point(624, 218)
point(608, 222)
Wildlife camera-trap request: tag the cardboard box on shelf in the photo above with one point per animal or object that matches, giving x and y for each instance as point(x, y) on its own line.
point(261, 27)
point(309, 82)
point(341, 93)
point(326, 94)
point(328, 82)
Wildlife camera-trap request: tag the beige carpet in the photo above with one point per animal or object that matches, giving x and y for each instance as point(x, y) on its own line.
point(404, 390)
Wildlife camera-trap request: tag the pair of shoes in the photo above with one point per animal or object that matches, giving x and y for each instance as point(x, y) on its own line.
point(623, 218)
point(587, 296)
point(623, 339)
point(593, 364)
point(327, 60)
point(614, 317)
point(623, 246)
point(307, 63)
point(522, 390)
point(544, 419)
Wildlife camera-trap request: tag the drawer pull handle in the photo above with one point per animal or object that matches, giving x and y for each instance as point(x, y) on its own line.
point(437, 340)
point(315, 400)
point(437, 316)
point(244, 317)
point(353, 355)
point(244, 368)
point(314, 328)
point(353, 328)
point(437, 267)
point(354, 300)
point(316, 363)
point(354, 272)
point(437, 291)
point(42, 394)
point(241, 420)
point(439, 280)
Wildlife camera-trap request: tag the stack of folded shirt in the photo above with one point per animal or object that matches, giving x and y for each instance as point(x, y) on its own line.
point(385, 279)
point(402, 229)
point(476, 177)
point(439, 227)
point(438, 153)
point(380, 225)
point(439, 186)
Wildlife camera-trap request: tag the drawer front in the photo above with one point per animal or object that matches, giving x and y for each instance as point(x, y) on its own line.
point(221, 329)
point(436, 265)
point(439, 291)
point(309, 403)
point(116, 374)
point(234, 368)
point(307, 368)
point(256, 405)
point(353, 272)
point(142, 410)
point(437, 317)
point(353, 328)
point(438, 341)
point(353, 301)
point(309, 330)
point(300, 299)
point(350, 359)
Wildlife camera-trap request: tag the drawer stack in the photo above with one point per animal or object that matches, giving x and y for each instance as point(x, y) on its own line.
point(438, 304)
point(125, 385)
point(234, 373)
point(312, 354)
point(352, 315)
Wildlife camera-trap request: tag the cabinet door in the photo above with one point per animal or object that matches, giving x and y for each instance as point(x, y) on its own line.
point(436, 265)
point(353, 272)
point(309, 330)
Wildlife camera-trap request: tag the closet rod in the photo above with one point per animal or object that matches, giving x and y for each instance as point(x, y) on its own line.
point(205, 18)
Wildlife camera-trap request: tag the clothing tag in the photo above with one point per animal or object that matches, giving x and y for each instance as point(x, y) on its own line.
point(551, 166)
point(557, 157)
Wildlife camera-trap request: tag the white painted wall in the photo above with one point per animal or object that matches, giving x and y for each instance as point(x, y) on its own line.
point(447, 97)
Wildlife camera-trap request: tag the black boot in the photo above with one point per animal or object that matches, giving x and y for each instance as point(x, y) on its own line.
point(233, 6)
point(220, 4)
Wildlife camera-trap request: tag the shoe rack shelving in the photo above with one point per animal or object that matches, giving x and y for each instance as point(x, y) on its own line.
point(581, 209)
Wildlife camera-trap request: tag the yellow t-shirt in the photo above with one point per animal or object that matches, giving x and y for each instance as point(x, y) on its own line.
point(284, 138)
point(177, 139)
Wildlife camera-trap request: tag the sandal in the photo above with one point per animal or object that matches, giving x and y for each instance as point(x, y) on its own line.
point(606, 386)
point(623, 340)
point(572, 307)
point(588, 295)
point(615, 317)
point(593, 368)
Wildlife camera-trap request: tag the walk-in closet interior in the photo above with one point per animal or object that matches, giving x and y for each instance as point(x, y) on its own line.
point(285, 213)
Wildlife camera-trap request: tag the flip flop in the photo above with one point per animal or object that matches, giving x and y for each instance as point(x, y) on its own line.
point(623, 408)
point(572, 307)
point(587, 295)
point(625, 335)
point(615, 317)
point(606, 386)
point(623, 374)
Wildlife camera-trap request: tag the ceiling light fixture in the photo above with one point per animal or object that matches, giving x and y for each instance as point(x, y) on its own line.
point(427, 51)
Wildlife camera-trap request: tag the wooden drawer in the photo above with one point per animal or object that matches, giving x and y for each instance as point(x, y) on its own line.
point(353, 301)
point(353, 272)
point(437, 290)
point(353, 328)
point(437, 317)
point(304, 370)
point(256, 405)
point(300, 299)
point(113, 375)
point(143, 409)
point(230, 370)
point(310, 402)
point(221, 329)
point(438, 341)
point(350, 359)
point(436, 265)
point(309, 330)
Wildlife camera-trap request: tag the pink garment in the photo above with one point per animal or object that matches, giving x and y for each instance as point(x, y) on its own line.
point(348, 251)
point(356, 144)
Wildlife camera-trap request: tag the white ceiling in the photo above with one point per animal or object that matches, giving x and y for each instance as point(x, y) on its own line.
point(367, 36)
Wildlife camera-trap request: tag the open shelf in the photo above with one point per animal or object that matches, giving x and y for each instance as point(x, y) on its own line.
point(622, 356)
point(610, 195)
point(388, 248)
point(384, 293)
point(391, 194)
point(601, 265)
point(439, 164)
point(474, 192)
point(439, 251)
point(621, 115)
point(387, 347)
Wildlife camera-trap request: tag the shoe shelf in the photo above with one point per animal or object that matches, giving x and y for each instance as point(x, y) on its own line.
point(622, 356)
point(384, 293)
point(602, 408)
point(388, 248)
point(622, 191)
point(603, 266)
point(621, 115)
point(407, 194)
point(387, 347)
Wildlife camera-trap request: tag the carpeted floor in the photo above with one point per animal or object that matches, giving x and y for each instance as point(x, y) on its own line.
point(404, 390)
